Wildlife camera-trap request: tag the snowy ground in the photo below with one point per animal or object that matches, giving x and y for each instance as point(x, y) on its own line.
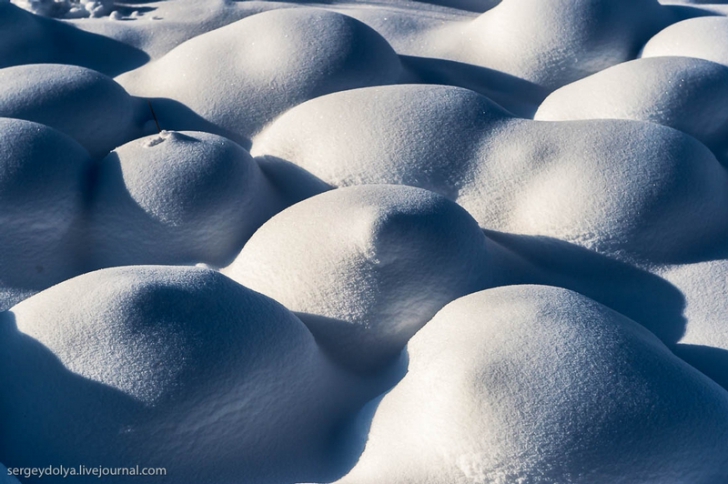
point(392, 241)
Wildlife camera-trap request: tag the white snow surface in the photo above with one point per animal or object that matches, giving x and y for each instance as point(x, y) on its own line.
point(166, 366)
point(84, 104)
point(42, 175)
point(398, 241)
point(366, 267)
point(263, 67)
point(555, 42)
point(26, 38)
point(612, 186)
point(201, 193)
point(702, 38)
point(685, 93)
point(540, 384)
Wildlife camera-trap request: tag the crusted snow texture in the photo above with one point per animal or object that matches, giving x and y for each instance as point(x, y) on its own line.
point(167, 366)
point(176, 197)
point(536, 384)
point(264, 65)
point(42, 176)
point(685, 93)
point(86, 105)
point(366, 267)
point(615, 186)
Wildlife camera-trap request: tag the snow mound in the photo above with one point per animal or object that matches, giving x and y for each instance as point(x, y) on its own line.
point(164, 366)
point(539, 384)
point(555, 42)
point(424, 136)
point(263, 65)
point(685, 93)
point(177, 198)
point(366, 267)
point(42, 176)
point(615, 187)
point(22, 38)
point(618, 187)
point(31, 39)
point(703, 37)
point(86, 105)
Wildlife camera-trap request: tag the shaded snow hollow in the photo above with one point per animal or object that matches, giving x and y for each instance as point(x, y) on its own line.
point(404, 242)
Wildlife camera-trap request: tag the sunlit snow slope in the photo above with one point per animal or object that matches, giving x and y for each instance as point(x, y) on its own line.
point(364, 242)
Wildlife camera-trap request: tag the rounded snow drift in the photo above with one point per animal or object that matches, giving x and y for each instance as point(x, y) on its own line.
point(264, 65)
point(630, 189)
point(26, 38)
point(84, 104)
point(687, 94)
point(42, 177)
point(418, 135)
point(164, 366)
point(555, 42)
point(365, 267)
point(614, 186)
point(540, 384)
point(702, 37)
point(22, 38)
point(177, 198)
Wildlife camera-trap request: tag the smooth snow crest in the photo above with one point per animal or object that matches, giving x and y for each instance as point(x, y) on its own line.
point(399, 242)
point(86, 105)
point(168, 366)
point(684, 93)
point(612, 186)
point(203, 195)
point(539, 384)
point(366, 267)
point(263, 66)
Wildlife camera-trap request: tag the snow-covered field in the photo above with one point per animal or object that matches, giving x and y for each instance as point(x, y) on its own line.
point(364, 242)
